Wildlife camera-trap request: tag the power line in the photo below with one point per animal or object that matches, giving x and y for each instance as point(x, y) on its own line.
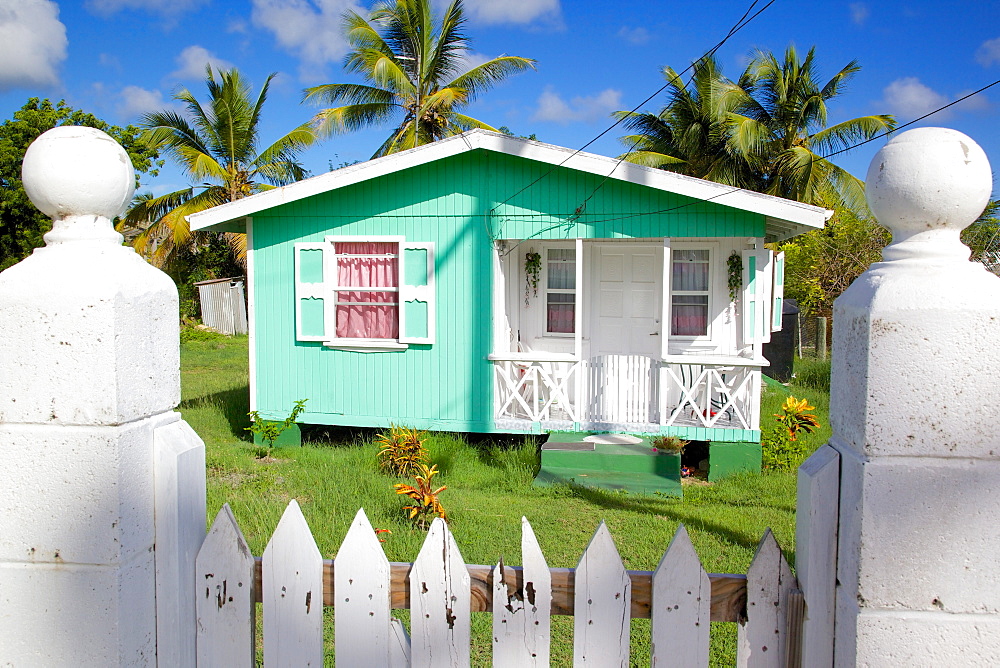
point(734, 189)
point(915, 120)
point(739, 25)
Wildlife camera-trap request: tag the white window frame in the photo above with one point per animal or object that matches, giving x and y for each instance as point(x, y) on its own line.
point(328, 291)
point(713, 281)
point(562, 291)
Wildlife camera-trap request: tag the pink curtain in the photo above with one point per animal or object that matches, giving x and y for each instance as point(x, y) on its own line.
point(561, 316)
point(369, 314)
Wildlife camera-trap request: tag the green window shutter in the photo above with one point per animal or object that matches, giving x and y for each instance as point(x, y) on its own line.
point(757, 280)
point(313, 308)
point(778, 291)
point(416, 292)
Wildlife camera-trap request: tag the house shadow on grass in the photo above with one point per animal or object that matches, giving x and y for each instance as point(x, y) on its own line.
point(234, 404)
point(675, 510)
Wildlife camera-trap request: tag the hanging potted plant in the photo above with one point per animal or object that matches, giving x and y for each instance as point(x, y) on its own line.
point(735, 266)
point(532, 272)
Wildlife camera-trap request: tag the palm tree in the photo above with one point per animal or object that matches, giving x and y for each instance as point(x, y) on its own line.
point(417, 70)
point(767, 132)
point(216, 144)
point(691, 133)
point(784, 124)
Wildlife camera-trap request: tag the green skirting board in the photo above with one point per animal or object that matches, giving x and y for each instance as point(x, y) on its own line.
point(728, 458)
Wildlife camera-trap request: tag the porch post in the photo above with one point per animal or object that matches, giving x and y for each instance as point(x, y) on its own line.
point(914, 408)
point(96, 470)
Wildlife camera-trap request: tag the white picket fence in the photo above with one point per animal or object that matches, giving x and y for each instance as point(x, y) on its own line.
point(294, 583)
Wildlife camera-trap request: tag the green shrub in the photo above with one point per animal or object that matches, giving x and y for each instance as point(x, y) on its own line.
point(779, 452)
point(194, 333)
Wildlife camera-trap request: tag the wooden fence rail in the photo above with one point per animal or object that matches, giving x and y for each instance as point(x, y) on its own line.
point(294, 583)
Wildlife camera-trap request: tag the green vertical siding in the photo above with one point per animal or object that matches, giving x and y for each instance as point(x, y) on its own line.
point(447, 385)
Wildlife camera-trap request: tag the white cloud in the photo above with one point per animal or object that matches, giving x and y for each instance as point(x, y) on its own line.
point(161, 6)
point(907, 98)
point(110, 61)
point(976, 103)
point(988, 52)
point(32, 43)
point(859, 12)
point(585, 109)
point(637, 35)
point(192, 61)
point(513, 11)
point(311, 30)
point(136, 101)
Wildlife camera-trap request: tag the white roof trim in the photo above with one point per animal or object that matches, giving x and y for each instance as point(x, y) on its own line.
point(790, 217)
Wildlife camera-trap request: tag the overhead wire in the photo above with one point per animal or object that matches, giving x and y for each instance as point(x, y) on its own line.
point(739, 25)
point(734, 189)
point(743, 21)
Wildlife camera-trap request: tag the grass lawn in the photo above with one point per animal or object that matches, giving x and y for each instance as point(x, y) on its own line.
point(489, 489)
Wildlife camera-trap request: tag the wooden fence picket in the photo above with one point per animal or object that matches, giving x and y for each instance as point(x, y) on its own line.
point(521, 621)
point(440, 591)
point(761, 642)
point(362, 605)
point(294, 584)
point(681, 606)
point(225, 597)
point(601, 605)
point(293, 594)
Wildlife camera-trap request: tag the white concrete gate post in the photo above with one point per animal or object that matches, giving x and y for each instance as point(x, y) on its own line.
point(914, 408)
point(95, 467)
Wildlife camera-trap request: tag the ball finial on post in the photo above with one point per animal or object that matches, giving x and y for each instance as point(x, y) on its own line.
point(82, 178)
point(927, 185)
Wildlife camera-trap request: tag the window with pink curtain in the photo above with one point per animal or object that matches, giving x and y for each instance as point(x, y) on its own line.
point(689, 293)
point(560, 291)
point(369, 309)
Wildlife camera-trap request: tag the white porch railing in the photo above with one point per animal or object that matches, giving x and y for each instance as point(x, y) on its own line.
point(680, 390)
point(537, 387)
point(710, 391)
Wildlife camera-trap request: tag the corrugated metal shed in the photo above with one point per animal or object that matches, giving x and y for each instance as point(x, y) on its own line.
point(223, 306)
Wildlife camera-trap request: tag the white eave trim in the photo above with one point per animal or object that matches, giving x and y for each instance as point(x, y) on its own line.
point(795, 215)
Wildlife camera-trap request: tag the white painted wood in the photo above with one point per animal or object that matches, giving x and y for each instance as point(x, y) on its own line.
point(681, 606)
point(601, 606)
point(251, 314)
point(761, 641)
point(440, 591)
point(399, 645)
point(293, 594)
point(179, 516)
point(362, 605)
point(521, 623)
point(816, 518)
point(224, 595)
point(777, 291)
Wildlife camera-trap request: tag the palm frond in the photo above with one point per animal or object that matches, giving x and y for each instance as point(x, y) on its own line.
point(842, 135)
point(351, 117)
point(483, 77)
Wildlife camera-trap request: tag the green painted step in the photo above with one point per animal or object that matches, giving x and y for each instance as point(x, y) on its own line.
point(637, 483)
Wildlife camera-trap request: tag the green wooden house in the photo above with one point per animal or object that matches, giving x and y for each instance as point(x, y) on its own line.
point(486, 283)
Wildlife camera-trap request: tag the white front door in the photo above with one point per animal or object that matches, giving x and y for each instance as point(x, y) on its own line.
point(625, 328)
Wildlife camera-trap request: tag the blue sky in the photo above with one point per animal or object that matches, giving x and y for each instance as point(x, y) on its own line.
point(121, 58)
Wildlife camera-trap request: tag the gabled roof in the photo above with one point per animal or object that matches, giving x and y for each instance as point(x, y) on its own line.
point(785, 218)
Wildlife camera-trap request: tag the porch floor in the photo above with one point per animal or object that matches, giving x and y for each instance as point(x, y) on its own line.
point(634, 467)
